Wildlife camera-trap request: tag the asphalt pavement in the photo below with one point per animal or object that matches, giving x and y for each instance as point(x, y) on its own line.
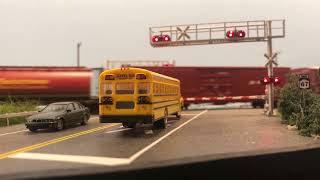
point(197, 133)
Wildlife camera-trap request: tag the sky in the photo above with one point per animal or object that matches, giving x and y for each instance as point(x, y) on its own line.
point(45, 32)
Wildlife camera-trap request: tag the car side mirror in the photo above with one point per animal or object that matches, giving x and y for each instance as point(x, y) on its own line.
point(68, 110)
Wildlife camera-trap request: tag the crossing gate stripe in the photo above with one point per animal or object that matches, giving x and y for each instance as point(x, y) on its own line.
point(227, 98)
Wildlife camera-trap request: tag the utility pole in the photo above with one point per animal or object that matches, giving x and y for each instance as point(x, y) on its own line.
point(78, 53)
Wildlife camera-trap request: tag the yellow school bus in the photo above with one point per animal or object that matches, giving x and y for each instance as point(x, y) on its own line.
point(133, 95)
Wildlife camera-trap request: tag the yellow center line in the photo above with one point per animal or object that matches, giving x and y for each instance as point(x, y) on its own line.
point(53, 141)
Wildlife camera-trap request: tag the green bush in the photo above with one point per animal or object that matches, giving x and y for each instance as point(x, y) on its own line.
point(299, 107)
point(289, 99)
point(12, 106)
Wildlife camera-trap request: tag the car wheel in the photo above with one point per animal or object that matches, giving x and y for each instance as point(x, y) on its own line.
point(60, 125)
point(85, 120)
point(33, 129)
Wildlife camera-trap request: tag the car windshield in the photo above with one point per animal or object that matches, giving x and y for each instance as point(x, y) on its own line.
point(55, 108)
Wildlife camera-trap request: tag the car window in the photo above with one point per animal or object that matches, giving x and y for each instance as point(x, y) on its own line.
point(82, 106)
point(71, 107)
point(77, 106)
point(54, 107)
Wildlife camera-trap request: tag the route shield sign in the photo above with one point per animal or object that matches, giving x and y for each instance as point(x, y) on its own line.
point(304, 81)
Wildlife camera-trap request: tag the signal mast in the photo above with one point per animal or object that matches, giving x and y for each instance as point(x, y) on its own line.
point(222, 33)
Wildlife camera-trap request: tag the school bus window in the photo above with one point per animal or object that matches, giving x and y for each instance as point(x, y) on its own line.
point(154, 88)
point(108, 88)
point(163, 89)
point(143, 88)
point(124, 88)
point(158, 90)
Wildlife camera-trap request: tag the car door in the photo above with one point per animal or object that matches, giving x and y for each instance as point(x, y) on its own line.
point(71, 115)
point(78, 113)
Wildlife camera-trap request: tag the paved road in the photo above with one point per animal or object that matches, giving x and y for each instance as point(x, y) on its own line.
point(198, 133)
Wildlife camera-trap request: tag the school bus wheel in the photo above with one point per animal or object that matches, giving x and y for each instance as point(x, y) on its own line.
point(163, 122)
point(129, 125)
point(178, 115)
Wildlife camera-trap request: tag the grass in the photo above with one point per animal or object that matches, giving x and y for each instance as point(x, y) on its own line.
point(16, 106)
point(12, 121)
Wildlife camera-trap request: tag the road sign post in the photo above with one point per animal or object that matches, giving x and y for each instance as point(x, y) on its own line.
point(304, 83)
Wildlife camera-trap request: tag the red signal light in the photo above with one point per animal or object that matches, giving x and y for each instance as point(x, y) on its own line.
point(230, 34)
point(266, 80)
point(233, 34)
point(159, 38)
point(241, 34)
point(166, 38)
point(277, 80)
point(155, 39)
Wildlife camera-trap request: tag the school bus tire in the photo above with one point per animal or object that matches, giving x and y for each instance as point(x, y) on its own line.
point(129, 125)
point(178, 115)
point(163, 122)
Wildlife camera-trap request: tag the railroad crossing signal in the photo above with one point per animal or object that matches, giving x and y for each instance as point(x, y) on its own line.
point(304, 81)
point(271, 59)
point(222, 33)
point(218, 33)
point(268, 80)
point(183, 33)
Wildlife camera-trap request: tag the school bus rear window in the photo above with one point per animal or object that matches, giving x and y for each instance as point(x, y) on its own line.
point(124, 88)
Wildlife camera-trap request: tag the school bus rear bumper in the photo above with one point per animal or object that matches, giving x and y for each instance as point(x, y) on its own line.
point(121, 119)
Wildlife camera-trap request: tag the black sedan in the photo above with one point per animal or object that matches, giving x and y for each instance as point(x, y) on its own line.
point(58, 116)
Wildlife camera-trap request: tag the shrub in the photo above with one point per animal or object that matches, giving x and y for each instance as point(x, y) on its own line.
point(301, 108)
point(289, 98)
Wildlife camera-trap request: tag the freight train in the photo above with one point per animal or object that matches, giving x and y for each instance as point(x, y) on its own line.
point(50, 84)
point(217, 85)
point(220, 85)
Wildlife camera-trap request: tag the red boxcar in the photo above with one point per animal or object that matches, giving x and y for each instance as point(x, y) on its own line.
point(45, 82)
point(221, 84)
